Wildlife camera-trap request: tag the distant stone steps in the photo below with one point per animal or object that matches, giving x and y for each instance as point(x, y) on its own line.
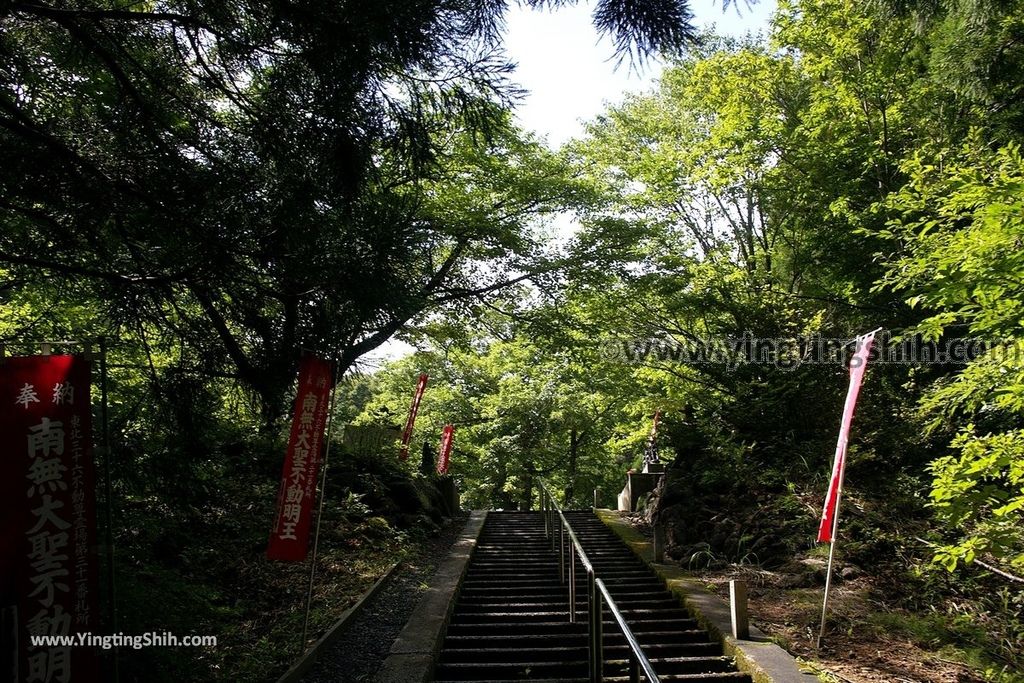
point(510, 621)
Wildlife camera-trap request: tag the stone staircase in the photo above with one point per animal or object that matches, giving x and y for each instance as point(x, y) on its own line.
point(511, 620)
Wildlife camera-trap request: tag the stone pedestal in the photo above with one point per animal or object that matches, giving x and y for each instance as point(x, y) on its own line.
point(638, 484)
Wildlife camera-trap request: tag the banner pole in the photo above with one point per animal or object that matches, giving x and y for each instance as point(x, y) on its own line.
point(319, 513)
point(831, 552)
point(109, 499)
point(862, 351)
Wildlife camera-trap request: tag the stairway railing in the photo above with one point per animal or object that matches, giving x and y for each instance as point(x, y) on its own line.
point(597, 595)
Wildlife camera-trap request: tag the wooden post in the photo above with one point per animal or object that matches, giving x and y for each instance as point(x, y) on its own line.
point(738, 610)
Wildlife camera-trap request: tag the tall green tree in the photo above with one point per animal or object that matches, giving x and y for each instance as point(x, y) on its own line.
point(961, 226)
point(525, 406)
point(243, 180)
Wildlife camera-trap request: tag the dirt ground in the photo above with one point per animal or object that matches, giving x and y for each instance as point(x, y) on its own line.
point(866, 640)
point(854, 650)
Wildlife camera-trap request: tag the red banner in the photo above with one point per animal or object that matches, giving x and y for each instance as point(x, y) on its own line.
point(444, 454)
point(858, 365)
point(48, 567)
point(414, 409)
point(289, 539)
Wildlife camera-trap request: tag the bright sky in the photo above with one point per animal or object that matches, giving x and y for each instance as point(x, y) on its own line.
point(571, 77)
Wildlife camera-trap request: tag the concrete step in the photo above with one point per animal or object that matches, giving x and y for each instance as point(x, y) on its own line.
point(531, 640)
point(501, 590)
point(723, 677)
point(567, 666)
point(558, 653)
point(548, 628)
point(495, 670)
point(510, 621)
point(639, 623)
point(522, 602)
point(673, 665)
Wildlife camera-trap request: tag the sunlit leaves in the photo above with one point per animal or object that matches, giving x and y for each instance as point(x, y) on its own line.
point(981, 493)
point(961, 227)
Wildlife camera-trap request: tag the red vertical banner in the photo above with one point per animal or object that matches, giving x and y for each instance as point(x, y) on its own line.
point(414, 409)
point(289, 538)
point(858, 365)
point(48, 565)
point(445, 452)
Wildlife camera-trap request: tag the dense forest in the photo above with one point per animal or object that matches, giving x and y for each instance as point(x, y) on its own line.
point(214, 187)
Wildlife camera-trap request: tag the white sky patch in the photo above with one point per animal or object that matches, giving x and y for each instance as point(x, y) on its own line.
point(570, 78)
point(392, 349)
point(570, 74)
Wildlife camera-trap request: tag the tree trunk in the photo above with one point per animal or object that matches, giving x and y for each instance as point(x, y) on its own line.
point(570, 487)
point(527, 502)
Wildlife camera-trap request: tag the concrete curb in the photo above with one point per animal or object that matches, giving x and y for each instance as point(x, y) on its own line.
point(765, 661)
point(415, 650)
point(308, 659)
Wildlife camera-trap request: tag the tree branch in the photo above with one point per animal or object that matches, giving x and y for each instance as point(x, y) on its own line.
point(71, 269)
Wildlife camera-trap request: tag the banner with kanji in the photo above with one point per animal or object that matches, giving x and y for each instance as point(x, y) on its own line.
point(858, 365)
point(444, 455)
point(289, 538)
point(49, 570)
point(414, 409)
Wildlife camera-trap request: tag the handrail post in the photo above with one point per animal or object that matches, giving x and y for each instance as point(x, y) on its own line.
point(572, 583)
point(597, 596)
point(541, 510)
point(544, 511)
point(561, 553)
point(597, 642)
point(552, 519)
point(550, 516)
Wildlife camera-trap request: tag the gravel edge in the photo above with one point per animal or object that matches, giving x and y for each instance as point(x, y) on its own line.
point(365, 643)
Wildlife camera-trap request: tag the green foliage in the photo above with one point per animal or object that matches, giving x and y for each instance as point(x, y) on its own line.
point(732, 196)
point(962, 222)
point(219, 186)
point(961, 214)
point(982, 492)
point(521, 410)
point(976, 54)
point(205, 565)
point(234, 183)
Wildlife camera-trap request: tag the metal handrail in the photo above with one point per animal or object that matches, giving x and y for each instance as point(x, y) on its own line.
point(575, 547)
point(637, 659)
point(597, 594)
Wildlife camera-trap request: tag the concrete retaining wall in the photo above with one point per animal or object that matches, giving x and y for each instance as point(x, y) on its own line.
point(415, 651)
